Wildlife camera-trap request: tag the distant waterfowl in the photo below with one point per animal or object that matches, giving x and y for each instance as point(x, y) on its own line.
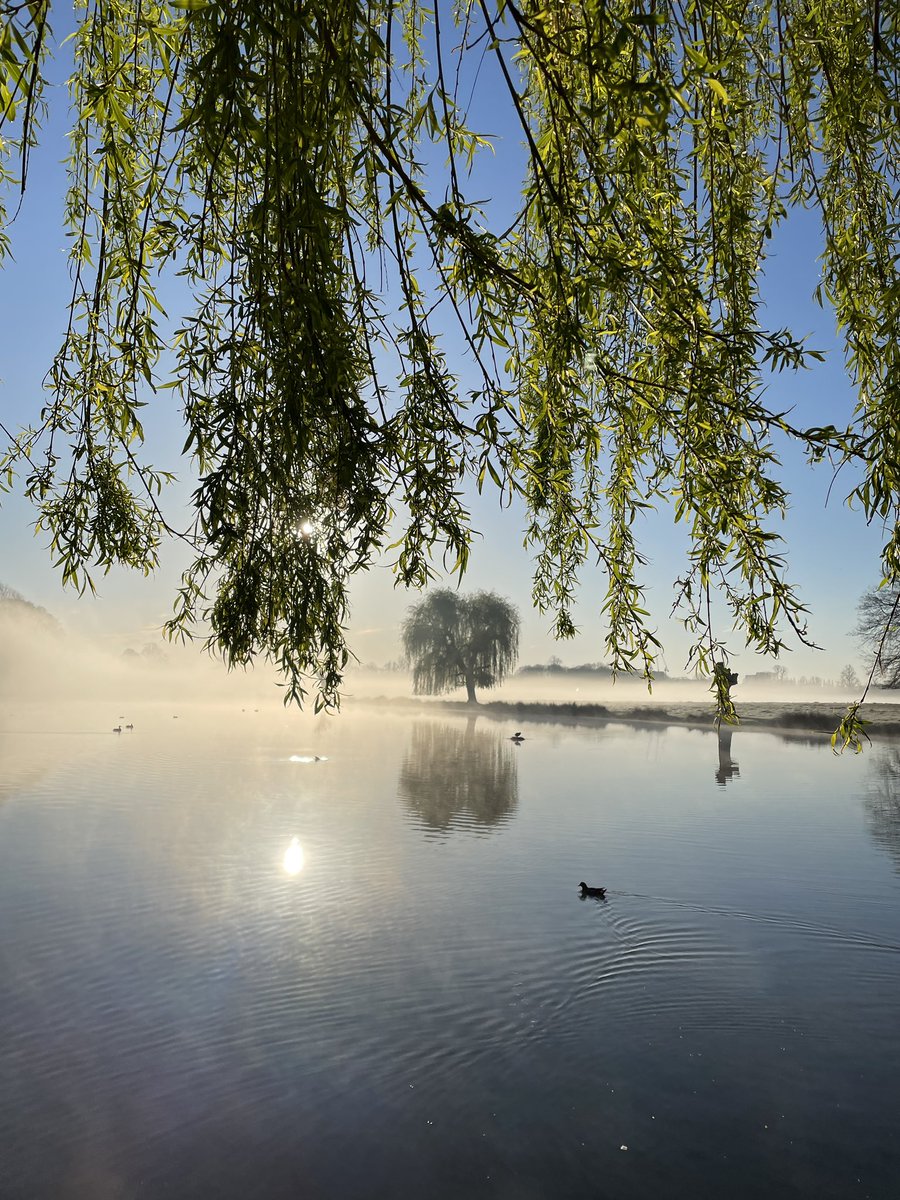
point(129, 727)
point(517, 737)
point(117, 729)
point(599, 892)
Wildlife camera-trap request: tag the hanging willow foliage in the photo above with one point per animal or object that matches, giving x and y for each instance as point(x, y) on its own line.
point(280, 157)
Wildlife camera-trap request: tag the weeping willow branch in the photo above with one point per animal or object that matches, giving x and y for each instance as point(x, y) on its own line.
point(311, 175)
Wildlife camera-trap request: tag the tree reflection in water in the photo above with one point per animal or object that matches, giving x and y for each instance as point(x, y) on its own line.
point(883, 801)
point(455, 777)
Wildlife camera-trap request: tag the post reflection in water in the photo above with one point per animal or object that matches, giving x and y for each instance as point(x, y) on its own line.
point(728, 768)
point(455, 777)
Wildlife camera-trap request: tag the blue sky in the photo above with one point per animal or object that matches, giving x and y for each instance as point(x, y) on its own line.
point(833, 555)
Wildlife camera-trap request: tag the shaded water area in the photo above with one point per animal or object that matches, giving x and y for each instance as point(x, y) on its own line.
point(267, 956)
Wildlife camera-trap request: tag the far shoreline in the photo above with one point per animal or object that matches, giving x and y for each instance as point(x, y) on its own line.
point(756, 716)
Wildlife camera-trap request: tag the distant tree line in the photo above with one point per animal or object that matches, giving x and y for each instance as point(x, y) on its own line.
point(12, 601)
point(149, 652)
point(555, 667)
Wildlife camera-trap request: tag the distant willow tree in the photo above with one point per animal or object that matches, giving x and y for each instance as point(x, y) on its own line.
point(309, 170)
point(455, 641)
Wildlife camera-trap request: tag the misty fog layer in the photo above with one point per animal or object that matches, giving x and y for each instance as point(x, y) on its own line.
point(42, 662)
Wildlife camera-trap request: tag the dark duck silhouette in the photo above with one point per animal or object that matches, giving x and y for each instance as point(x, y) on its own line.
point(517, 737)
point(599, 892)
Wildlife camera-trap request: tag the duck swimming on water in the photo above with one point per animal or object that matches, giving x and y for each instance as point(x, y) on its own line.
point(517, 737)
point(600, 892)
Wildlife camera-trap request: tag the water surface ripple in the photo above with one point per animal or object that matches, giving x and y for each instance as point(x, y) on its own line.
point(294, 957)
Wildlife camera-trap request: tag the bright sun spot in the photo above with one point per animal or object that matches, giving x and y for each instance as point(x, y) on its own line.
point(293, 858)
point(306, 529)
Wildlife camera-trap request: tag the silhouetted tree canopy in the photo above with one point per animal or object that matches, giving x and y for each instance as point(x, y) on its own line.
point(849, 679)
point(456, 641)
point(14, 605)
point(286, 160)
point(878, 629)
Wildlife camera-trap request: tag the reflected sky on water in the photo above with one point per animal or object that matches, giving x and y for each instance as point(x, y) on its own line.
point(285, 957)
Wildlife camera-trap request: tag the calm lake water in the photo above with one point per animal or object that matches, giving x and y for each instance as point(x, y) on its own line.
point(230, 970)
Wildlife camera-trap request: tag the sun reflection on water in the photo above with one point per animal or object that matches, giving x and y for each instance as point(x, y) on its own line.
point(293, 858)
